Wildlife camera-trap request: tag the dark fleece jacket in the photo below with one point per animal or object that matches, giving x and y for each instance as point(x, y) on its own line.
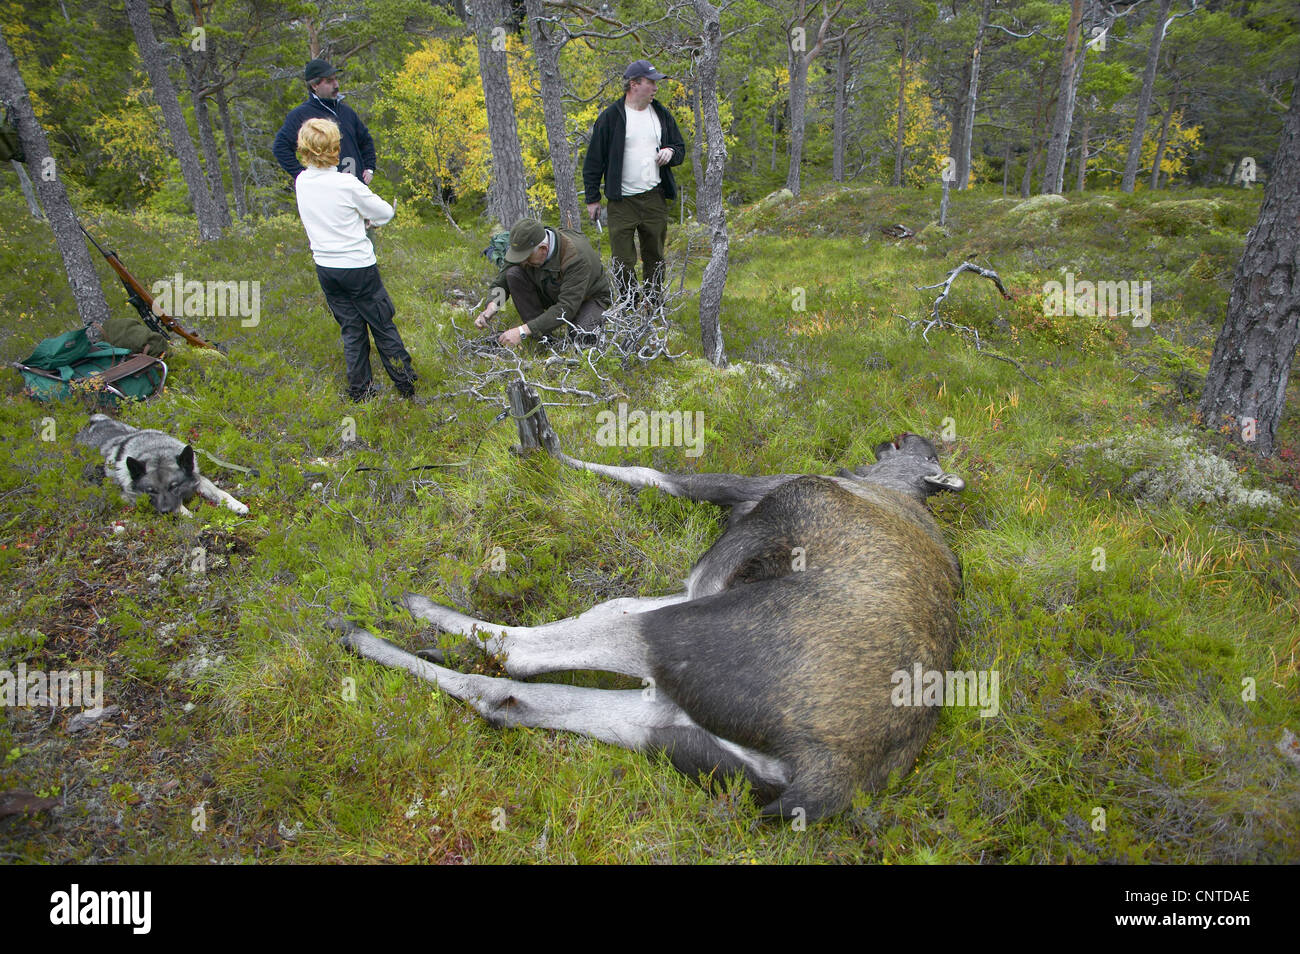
point(605, 154)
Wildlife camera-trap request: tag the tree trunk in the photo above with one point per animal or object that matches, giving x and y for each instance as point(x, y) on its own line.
point(508, 191)
point(1006, 167)
point(535, 431)
point(697, 146)
point(86, 290)
point(798, 67)
point(1144, 98)
point(841, 109)
point(964, 128)
point(195, 64)
point(1071, 71)
point(232, 154)
point(1083, 153)
point(799, 62)
point(546, 48)
point(1252, 358)
point(1164, 137)
point(25, 183)
point(902, 110)
point(776, 134)
point(1032, 159)
point(153, 56)
point(710, 202)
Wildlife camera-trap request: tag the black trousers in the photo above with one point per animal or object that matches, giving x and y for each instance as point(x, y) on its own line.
point(362, 307)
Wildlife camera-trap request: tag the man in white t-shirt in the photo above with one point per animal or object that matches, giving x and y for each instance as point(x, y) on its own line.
point(336, 208)
point(634, 144)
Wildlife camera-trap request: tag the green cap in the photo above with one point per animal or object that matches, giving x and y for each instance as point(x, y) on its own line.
point(525, 236)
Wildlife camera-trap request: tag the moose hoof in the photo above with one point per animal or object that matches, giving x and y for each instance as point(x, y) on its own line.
point(424, 608)
point(348, 631)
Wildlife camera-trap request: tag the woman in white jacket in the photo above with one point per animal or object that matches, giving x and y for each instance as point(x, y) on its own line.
point(335, 210)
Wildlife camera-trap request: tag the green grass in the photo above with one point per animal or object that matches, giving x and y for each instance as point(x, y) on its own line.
point(1121, 688)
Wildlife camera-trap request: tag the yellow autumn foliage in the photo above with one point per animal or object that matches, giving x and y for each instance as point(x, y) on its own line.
point(438, 127)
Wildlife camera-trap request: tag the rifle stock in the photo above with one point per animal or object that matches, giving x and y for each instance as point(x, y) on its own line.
point(143, 302)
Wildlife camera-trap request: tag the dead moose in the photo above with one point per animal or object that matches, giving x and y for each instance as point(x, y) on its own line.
point(777, 659)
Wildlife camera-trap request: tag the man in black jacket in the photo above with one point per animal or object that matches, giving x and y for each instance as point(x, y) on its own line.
point(634, 144)
point(356, 148)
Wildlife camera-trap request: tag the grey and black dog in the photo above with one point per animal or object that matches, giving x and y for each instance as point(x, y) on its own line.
point(154, 463)
point(778, 659)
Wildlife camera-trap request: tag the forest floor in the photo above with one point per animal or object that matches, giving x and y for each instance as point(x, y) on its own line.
point(1140, 603)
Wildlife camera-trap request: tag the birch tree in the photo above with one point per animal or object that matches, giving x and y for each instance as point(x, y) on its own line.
point(710, 206)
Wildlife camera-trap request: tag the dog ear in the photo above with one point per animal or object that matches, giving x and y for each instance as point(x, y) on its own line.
point(135, 467)
point(186, 459)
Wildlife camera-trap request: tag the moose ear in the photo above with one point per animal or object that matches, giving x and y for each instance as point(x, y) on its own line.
point(945, 481)
point(135, 467)
point(186, 459)
point(885, 447)
point(918, 445)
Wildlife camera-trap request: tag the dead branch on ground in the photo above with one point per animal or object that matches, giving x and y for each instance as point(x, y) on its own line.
point(935, 320)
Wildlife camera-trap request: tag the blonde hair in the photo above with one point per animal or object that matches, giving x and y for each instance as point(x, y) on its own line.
point(318, 143)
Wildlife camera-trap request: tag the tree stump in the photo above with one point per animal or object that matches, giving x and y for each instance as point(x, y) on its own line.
point(535, 429)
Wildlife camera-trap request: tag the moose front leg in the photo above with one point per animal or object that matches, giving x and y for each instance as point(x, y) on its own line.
point(606, 637)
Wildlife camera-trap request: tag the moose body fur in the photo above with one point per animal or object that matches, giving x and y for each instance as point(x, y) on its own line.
point(777, 660)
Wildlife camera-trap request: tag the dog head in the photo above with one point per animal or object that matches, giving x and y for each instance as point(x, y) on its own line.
point(170, 482)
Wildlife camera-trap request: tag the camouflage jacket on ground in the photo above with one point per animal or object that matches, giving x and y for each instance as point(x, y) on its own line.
point(573, 275)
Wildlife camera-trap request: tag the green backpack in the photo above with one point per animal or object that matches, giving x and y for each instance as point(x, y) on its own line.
point(497, 248)
point(67, 363)
point(11, 144)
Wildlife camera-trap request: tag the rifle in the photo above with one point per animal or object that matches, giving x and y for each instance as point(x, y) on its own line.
point(142, 301)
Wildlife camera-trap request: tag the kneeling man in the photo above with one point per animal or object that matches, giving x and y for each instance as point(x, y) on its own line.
point(551, 274)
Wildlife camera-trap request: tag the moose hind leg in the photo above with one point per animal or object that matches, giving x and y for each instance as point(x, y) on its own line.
point(639, 720)
point(630, 719)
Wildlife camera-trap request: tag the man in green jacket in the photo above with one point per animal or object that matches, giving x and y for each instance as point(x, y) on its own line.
point(552, 274)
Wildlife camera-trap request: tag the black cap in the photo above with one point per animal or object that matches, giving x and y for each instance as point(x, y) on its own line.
point(525, 235)
point(638, 68)
point(317, 69)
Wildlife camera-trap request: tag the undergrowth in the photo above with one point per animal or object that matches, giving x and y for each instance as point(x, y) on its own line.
point(1146, 641)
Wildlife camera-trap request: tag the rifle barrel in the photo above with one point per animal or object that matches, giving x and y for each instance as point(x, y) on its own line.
point(143, 301)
